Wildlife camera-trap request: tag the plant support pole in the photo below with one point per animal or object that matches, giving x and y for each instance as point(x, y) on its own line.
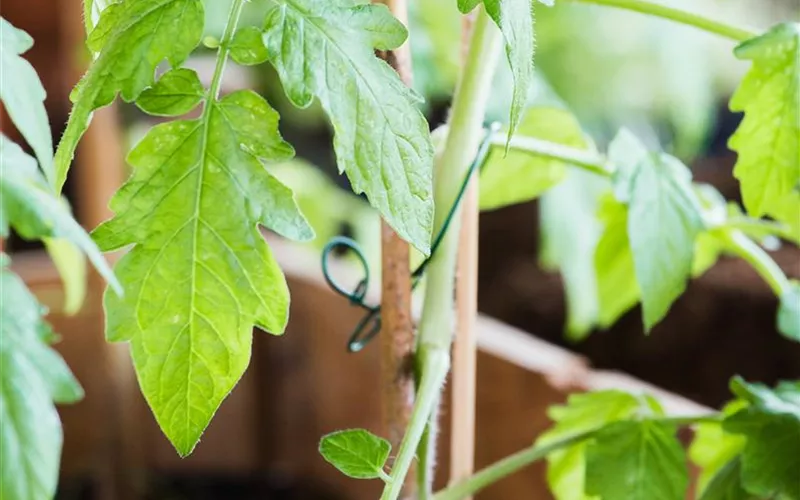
point(436, 325)
point(397, 336)
point(462, 406)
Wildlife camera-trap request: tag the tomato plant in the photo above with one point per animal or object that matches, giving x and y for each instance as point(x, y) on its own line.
point(198, 275)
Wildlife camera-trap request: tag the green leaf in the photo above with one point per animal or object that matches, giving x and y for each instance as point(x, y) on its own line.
point(664, 219)
point(356, 453)
point(520, 176)
point(727, 483)
point(28, 204)
point(771, 424)
point(789, 312)
point(200, 274)
point(247, 47)
point(708, 246)
point(516, 21)
point(71, 266)
point(768, 139)
point(716, 453)
point(636, 460)
point(132, 38)
point(325, 48)
point(570, 232)
point(617, 289)
point(23, 95)
point(583, 413)
point(33, 376)
point(177, 92)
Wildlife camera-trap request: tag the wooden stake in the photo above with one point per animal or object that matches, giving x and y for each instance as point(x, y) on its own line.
point(397, 335)
point(462, 440)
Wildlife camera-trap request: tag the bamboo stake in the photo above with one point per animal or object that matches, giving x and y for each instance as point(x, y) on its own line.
point(462, 440)
point(397, 336)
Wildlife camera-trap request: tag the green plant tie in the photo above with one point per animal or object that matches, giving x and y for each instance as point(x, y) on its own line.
point(370, 325)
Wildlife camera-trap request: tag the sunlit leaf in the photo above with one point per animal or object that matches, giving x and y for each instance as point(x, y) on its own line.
point(200, 274)
point(636, 460)
point(520, 176)
point(617, 289)
point(356, 453)
point(768, 140)
point(771, 424)
point(583, 412)
point(326, 49)
point(247, 47)
point(71, 266)
point(717, 452)
point(176, 93)
point(664, 220)
point(132, 38)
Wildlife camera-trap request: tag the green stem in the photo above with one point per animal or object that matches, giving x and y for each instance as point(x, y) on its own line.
point(592, 162)
point(222, 53)
point(436, 324)
point(435, 369)
point(739, 244)
point(680, 16)
point(506, 467)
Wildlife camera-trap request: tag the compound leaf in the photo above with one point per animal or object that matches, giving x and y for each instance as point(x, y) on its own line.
point(583, 413)
point(356, 453)
point(664, 220)
point(520, 176)
point(177, 92)
point(771, 424)
point(717, 453)
point(636, 460)
point(29, 205)
point(325, 48)
point(132, 38)
point(23, 95)
point(768, 139)
point(200, 274)
point(33, 376)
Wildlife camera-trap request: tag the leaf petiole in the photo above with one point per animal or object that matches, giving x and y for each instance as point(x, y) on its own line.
point(742, 246)
point(679, 16)
point(585, 160)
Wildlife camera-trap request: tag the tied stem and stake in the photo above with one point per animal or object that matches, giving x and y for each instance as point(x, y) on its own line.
point(463, 378)
point(436, 325)
point(397, 338)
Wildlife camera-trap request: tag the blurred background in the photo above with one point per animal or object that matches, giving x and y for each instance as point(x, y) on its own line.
point(668, 83)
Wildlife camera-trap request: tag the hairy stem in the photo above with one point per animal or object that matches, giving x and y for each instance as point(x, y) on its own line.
point(434, 372)
point(742, 246)
point(506, 467)
point(436, 325)
point(679, 16)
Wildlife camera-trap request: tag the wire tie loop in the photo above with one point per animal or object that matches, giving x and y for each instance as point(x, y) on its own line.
point(370, 325)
